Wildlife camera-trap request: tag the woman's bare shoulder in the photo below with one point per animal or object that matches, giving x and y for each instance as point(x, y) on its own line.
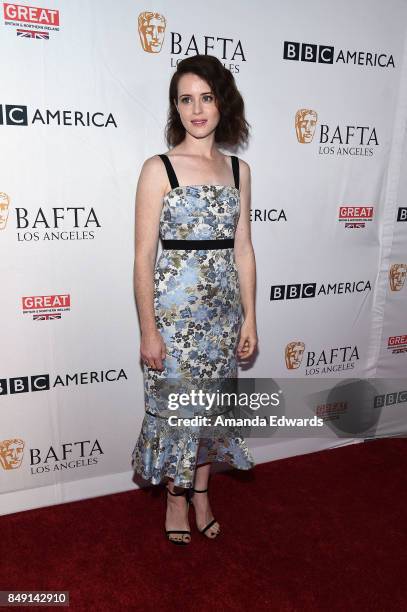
point(244, 169)
point(153, 169)
point(152, 163)
point(243, 165)
point(153, 177)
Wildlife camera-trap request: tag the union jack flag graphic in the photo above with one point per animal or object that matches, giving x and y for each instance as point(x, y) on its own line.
point(362, 224)
point(47, 317)
point(33, 34)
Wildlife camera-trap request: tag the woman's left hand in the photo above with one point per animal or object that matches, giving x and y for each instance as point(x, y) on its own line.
point(247, 341)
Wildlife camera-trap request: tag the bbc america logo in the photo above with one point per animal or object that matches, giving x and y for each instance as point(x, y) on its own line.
point(43, 382)
point(17, 115)
point(325, 54)
point(311, 290)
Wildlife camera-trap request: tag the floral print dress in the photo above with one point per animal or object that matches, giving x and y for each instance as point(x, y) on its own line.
point(198, 313)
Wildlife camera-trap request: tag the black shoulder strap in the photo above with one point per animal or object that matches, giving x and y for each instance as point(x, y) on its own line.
point(170, 171)
point(235, 166)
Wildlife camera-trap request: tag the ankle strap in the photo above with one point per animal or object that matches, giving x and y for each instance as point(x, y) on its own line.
point(181, 493)
point(200, 491)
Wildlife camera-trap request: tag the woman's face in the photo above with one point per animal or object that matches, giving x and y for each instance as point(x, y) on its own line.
point(196, 106)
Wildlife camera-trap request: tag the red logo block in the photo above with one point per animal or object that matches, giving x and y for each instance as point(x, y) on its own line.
point(31, 14)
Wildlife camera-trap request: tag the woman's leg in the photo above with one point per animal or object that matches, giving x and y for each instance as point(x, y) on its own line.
point(201, 501)
point(177, 513)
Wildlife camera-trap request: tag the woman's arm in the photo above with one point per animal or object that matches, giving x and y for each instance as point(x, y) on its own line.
point(151, 188)
point(246, 267)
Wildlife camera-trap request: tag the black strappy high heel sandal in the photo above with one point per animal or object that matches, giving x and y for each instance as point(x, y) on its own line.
point(212, 522)
point(170, 531)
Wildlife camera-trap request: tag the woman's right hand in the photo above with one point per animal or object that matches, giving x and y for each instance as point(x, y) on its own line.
point(152, 350)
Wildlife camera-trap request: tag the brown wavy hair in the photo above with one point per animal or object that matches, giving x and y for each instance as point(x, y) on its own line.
point(232, 129)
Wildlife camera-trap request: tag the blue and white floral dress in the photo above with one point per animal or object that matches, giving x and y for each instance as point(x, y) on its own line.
point(198, 313)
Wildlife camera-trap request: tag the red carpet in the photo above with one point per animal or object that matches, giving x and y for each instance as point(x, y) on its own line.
point(325, 531)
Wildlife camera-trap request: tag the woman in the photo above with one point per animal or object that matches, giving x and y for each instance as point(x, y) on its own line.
point(191, 302)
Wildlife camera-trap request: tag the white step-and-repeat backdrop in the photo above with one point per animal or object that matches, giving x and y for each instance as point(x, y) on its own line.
point(84, 88)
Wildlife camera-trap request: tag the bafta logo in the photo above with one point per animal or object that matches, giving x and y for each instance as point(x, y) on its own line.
point(4, 206)
point(11, 453)
point(305, 123)
point(293, 354)
point(397, 276)
point(151, 28)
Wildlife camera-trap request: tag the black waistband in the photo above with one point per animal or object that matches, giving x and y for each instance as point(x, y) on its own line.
point(227, 243)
